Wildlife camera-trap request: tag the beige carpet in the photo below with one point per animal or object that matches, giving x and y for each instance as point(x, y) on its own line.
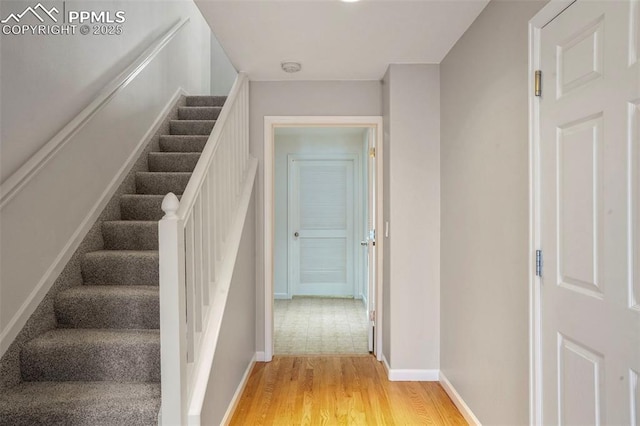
point(312, 325)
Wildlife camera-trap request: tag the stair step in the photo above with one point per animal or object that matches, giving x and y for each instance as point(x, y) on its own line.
point(141, 207)
point(92, 355)
point(191, 127)
point(205, 100)
point(80, 403)
point(161, 183)
point(199, 112)
point(119, 307)
point(173, 161)
point(120, 267)
point(183, 143)
point(130, 235)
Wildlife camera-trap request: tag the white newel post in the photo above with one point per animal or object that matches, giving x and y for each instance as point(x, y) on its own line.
point(173, 319)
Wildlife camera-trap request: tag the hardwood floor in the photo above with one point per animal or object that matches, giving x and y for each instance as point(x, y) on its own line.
point(339, 390)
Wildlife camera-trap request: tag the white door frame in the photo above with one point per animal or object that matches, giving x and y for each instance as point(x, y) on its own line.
point(542, 18)
point(270, 124)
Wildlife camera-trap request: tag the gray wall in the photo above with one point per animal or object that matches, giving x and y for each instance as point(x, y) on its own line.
point(484, 160)
point(299, 98)
point(412, 208)
point(236, 342)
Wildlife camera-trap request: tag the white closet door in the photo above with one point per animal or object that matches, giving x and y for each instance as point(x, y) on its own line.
point(321, 227)
point(589, 150)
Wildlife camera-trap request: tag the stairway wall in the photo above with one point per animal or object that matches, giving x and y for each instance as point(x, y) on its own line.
point(44, 319)
point(45, 222)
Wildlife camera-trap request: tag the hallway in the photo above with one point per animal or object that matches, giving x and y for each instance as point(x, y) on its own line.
point(344, 390)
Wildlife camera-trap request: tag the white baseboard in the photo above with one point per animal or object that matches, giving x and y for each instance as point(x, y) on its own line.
point(260, 356)
point(458, 401)
point(407, 375)
point(281, 296)
point(29, 306)
point(238, 394)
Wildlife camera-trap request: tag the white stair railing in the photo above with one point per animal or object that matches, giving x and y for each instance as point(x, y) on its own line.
point(198, 240)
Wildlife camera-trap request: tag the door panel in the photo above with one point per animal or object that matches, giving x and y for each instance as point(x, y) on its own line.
point(590, 322)
point(321, 209)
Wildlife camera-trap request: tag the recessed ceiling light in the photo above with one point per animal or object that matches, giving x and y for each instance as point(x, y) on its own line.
point(291, 67)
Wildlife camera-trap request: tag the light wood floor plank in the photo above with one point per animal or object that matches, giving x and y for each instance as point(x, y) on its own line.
point(339, 390)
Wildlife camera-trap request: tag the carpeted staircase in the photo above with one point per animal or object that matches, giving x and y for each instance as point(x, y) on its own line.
point(101, 365)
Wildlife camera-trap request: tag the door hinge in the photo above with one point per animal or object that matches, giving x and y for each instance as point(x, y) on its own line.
point(538, 263)
point(538, 83)
point(372, 316)
point(372, 152)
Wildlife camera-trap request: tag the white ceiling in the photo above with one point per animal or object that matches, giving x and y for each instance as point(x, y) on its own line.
point(335, 40)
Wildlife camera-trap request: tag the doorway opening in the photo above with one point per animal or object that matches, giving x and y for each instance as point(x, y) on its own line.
point(322, 208)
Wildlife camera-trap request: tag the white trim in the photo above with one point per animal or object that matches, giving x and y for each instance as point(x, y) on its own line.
point(233, 404)
point(270, 122)
point(21, 177)
point(260, 356)
point(409, 375)
point(542, 18)
point(458, 401)
point(51, 275)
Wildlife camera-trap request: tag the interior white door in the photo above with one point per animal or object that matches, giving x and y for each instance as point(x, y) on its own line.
point(321, 226)
point(589, 199)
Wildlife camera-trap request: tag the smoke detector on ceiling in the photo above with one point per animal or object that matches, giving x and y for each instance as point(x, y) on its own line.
point(291, 67)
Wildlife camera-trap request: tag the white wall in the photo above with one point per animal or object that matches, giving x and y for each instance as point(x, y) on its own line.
point(311, 142)
point(485, 349)
point(223, 74)
point(412, 157)
point(47, 80)
point(299, 98)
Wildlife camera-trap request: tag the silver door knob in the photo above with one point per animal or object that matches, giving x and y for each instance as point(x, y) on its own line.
point(364, 243)
point(296, 234)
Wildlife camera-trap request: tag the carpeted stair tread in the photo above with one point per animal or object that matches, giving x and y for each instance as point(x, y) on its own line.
point(183, 143)
point(205, 100)
point(130, 235)
point(161, 183)
point(120, 267)
point(92, 355)
point(80, 403)
point(173, 161)
point(118, 307)
point(199, 112)
point(141, 207)
point(191, 127)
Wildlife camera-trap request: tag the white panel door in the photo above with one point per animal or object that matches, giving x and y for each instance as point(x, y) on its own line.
point(590, 193)
point(321, 226)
